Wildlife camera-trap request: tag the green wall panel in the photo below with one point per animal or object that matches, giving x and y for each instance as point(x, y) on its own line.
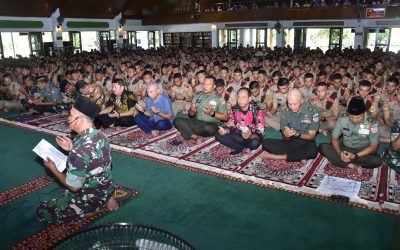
point(11, 24)
point(74, 24)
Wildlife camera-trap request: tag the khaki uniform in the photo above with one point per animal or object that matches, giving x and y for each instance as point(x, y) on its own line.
point(279, 99)
point(13, 89)
point(393, 107)
point(229, 97)
point(307, 93)
point(184, 90)
point(326, 108)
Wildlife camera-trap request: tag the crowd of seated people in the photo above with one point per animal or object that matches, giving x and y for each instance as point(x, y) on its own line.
point(232, 94)
point(234, 6)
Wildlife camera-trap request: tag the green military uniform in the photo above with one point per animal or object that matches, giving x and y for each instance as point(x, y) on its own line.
point(89, 170)
point(203, 124)
point(390, 156)
point(296, 149)
point(356, 137)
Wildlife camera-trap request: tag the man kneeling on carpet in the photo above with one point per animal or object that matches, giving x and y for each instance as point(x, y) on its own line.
point(158, 114)
point(299, 125)
point(120, 109)
point(88, 178)
point(360, 139)
point(245, 127)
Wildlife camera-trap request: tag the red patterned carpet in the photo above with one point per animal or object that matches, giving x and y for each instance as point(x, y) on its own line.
point(53, 234)
point(380, 188)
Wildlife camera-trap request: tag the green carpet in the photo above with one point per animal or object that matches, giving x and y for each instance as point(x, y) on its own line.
point(209, 212)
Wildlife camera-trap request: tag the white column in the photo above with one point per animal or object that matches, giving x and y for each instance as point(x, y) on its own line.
point(279, 38)
point(359, 35)
point(214, 37)
point(119, 37)
point(241, 38)
point(56, 32)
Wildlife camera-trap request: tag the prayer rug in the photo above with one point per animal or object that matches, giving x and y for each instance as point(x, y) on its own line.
point(290, 173)
point(174, 146)
point(27, 117)
point(372, 185)
point(391, 190)
point(209, 157)
point(135, 137)
point(218, 155)
point(47, 121)
point(53, 234)
point(24, 189)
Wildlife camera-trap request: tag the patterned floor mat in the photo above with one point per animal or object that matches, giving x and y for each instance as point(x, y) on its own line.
point(210, 157)
point(24, 189)
point(391, 191)
point(53, 234)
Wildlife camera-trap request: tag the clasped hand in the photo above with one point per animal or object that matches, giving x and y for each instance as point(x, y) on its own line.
point(208, 110)
point(288, 132)
point(346, 156)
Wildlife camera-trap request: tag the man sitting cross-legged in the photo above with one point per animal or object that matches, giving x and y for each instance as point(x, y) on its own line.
point(360, 139)
point(299, 125)
point(205, 113)
point(245, 128)
point(158, 114)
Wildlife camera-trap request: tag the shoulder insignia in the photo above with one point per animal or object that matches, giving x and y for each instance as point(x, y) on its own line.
point(372, 109)
point(385, 107)
point(313, 99)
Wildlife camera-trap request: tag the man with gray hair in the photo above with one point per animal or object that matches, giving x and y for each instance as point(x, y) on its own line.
point(158, 114)
point(299, 126)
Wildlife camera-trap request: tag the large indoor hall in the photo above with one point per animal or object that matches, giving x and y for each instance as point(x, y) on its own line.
point(200, 124)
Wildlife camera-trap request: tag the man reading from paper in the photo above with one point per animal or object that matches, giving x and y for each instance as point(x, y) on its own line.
point(88, 179)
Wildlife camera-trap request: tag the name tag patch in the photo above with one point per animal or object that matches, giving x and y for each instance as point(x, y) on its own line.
point(363, 130)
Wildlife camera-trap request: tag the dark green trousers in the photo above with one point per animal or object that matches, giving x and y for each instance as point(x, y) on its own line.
point(192, 126)
point(369, 161)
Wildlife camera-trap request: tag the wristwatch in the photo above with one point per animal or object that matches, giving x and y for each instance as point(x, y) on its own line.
point(356, 156)
point(213, 114)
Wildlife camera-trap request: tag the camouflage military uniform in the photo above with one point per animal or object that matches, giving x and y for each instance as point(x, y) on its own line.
point(390, 156)
point(89, 169)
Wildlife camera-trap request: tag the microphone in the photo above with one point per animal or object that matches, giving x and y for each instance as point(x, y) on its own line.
point(76, 118)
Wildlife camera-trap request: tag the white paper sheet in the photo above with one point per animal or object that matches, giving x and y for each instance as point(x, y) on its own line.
point(340, 186)
point(45, 150)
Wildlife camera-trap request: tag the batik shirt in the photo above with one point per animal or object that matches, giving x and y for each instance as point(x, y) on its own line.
point(123, 103)
point(250, 120)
